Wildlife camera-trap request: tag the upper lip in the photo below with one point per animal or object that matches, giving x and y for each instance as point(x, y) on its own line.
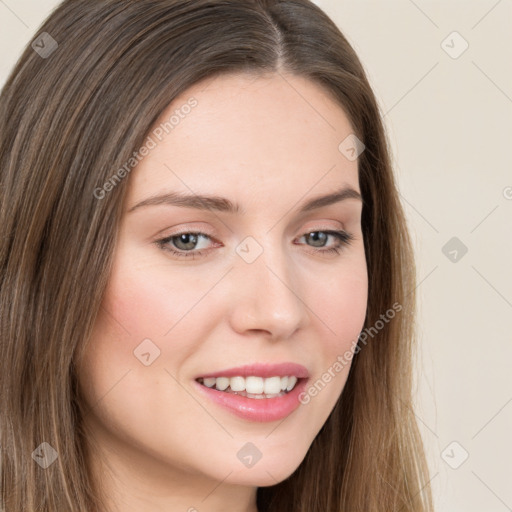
point(261, 370)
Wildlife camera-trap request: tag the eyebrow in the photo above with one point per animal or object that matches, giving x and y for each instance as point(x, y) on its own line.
point(221, 204)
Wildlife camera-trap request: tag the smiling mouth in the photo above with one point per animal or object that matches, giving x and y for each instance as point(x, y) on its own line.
point(252, 386)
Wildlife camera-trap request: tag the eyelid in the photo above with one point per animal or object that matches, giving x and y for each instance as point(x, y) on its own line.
point(187, 228)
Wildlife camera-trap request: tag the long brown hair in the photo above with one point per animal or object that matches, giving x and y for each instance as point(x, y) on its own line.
point(72, 116)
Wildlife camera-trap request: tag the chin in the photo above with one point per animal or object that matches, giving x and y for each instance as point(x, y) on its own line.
point(265, 474)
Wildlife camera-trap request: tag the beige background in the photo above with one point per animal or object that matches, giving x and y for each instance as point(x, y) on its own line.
point(450, 122)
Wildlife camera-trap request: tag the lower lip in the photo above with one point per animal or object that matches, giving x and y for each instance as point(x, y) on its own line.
point(255, 409)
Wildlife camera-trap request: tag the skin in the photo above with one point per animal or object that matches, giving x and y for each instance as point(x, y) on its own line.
point(269, 143)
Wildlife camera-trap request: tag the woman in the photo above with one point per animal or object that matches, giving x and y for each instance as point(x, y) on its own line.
point(207, 284)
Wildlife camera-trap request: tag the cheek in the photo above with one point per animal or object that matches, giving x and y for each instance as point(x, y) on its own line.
point(138, 304)
point(340, 313)
point(346, 308)
point(147, 301)
point(341, 305)
point(142, 312)
point(126, 396)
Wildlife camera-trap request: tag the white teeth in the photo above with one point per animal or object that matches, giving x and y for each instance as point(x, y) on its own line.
point(222, 383)
point(252, 386)
point(237, 383)
point(291, 383)
point(272, 386)
point(209, 382)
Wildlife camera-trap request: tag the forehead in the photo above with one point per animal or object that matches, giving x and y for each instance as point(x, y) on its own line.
point(256, 137)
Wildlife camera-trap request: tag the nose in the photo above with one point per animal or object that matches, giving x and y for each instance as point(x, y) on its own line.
point(267, 295)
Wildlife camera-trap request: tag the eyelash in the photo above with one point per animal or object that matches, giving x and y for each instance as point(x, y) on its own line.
point(344, 239)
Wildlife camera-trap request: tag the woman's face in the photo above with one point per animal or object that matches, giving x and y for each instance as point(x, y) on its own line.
point(269, 287)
